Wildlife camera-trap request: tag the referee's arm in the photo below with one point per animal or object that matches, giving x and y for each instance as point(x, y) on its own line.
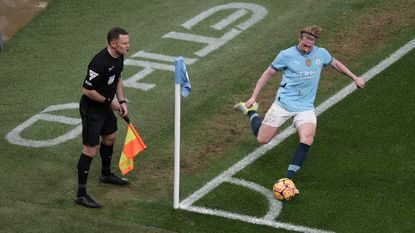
point(94, 95)
point(121, 99)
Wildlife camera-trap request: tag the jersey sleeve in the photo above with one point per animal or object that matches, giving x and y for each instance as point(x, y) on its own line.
point(92, 76)
point(279, 62)
point(327, 58)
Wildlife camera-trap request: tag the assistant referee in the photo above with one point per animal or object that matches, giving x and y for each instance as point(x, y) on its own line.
point(102, 84)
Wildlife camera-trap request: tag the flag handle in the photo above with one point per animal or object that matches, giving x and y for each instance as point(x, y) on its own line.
point(127, 119)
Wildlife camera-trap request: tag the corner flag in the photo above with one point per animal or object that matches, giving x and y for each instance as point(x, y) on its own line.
point(182, 77)
point(182, 87)
point(133, 145)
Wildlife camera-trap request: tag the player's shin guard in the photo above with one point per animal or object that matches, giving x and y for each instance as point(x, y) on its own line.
point(255, 122)
point(297, 160)
point(84, 164)
point(106, 156)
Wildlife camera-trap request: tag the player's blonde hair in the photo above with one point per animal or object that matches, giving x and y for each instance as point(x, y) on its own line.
point(310, 32)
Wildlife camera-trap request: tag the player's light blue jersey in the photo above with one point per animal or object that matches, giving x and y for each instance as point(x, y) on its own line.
point(301, 74)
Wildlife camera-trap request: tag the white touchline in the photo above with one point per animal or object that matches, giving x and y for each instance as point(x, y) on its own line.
point(226, 176)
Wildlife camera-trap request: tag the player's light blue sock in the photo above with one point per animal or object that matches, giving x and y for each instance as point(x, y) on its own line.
point(297, 160)
point(255, 122)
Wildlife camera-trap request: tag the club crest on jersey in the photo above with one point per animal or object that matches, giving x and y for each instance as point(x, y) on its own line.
point(308, 62)
point(111, 80)
point(318, 62)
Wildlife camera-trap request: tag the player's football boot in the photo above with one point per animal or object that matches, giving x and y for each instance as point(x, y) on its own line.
point(113, 179)
point(242, 108)
point(87, 201)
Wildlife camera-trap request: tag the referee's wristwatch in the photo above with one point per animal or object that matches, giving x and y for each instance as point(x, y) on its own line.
point(122, 102)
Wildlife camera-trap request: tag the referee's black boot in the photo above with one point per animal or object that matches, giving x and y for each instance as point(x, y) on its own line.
point(113, 179)
point(87, 201)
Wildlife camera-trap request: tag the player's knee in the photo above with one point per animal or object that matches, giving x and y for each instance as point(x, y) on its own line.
point(262, 140)
point(307, 140)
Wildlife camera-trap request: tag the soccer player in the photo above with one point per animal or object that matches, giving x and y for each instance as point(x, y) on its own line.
point(301, 66)
point(99, 124)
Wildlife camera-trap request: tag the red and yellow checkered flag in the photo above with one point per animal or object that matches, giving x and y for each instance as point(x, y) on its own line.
point(133, 145)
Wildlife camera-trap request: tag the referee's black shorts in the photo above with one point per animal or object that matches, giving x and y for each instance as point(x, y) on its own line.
point(97, 120)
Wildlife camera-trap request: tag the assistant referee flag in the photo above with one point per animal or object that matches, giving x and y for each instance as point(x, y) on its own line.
point(133, 145)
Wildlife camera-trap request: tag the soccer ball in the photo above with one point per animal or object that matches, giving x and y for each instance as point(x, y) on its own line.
point(284, 189)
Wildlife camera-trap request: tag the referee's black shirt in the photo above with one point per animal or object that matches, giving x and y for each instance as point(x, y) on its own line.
point(103, 73)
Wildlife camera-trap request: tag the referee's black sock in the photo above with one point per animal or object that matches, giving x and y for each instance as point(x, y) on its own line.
point(84, 164)
point(106, 156)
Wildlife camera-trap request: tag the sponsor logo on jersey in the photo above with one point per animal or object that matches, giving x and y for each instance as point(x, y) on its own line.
point(92, 74)
point(309, 74)
point(111, 80)
point(112, 67)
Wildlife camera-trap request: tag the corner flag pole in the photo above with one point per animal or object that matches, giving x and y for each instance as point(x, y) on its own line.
point(176, 146)
point(182, 86)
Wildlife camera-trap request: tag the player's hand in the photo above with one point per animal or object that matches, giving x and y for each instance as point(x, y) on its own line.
point(250, 102)
point(360, 83)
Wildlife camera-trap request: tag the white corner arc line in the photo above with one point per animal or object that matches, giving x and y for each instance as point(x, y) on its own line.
point(186, 204)
point(254, 220)
point(275, 205)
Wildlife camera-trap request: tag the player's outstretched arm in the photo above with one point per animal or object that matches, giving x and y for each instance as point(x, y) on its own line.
point(259, 85)
point(336, 64)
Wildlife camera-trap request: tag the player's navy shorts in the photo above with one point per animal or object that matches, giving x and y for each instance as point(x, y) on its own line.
point(97, 120)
